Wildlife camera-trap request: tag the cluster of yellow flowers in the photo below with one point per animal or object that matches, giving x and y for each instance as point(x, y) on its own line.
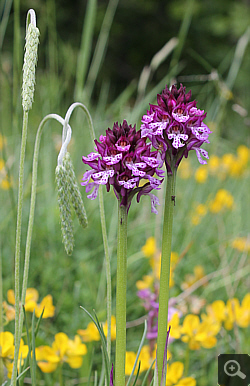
point(228, 165)
point(174, 370)
point(63, 350)
point(230, 313)
point(7, 349)
point(150, 251)
point(5, 182)
point(31, 304)
point(222, 201)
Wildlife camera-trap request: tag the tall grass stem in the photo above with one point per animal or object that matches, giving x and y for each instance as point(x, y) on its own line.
point(18, 243)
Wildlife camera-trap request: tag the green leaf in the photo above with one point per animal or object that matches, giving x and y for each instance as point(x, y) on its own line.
point(138, 353)
point(104, 343)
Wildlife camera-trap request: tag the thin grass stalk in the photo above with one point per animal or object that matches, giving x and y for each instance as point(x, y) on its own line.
point(121, 287)
point(105, 238)
point(165, 272)
point(85, 50)
point(16, 57)
point(5, 11)
point(18, 242)
point(100, 47)
point(183, 33)
point(32, 211)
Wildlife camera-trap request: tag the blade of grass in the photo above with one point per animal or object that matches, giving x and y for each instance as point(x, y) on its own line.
point(33, 344)
point(183, 33)
point(138, 352)
point(147, 374)
point(100, 47)
point(85, 50)
point(103, 340)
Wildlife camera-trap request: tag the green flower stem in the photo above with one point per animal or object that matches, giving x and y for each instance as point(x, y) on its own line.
point(121, 285)
point(18, 242)
point(165, 272)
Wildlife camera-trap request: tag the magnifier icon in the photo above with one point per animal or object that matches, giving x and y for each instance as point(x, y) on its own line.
point(234, 368)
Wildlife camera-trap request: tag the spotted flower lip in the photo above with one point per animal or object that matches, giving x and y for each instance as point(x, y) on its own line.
point(123, 159)
point(175, 126)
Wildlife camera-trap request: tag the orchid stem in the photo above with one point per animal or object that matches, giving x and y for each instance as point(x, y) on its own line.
point(121, 285)
point(165, 272)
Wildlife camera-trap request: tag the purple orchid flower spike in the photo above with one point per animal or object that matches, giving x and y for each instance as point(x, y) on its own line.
point(175, 126)
point(111, 379)
point(124, 160)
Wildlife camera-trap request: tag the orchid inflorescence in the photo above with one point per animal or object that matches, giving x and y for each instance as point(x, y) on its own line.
point(124, 159)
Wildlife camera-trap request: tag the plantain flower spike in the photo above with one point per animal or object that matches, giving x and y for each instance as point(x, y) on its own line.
point(30, 61)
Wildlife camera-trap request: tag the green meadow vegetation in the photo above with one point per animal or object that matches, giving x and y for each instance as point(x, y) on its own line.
point(115, 57)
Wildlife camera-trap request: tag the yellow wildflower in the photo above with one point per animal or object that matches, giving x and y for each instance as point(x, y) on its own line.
point(174, 376)
point(200, 211)
point(223, 200)
point(149, 249)
point(129, 362)
point(113, 328)
point(213, 164)
point(230, 313)
point(201, 174)
point(63, 350)
point(7, 349)
point(198, 334)
point(190, 279)
point(146, 282)
point(47, 305)
point(90, 333)
point(6, 345)
point(242, 244)
point(243, 154)
point(175, 330)
point(30, 304)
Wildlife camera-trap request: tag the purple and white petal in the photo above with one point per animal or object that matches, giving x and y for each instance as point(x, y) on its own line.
point(151, 161)
point(147, 118)
point(90, 186)
point(130, 184)
point(91, 157)
point(177, 139)
point(180, 118)
point(196, 111)
point(93, 195)
point(154, 182)
point(154, 201)
point(86, 177)
point(112, 160)
point(199, 153)
point(145, 131)
point(123, 148)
